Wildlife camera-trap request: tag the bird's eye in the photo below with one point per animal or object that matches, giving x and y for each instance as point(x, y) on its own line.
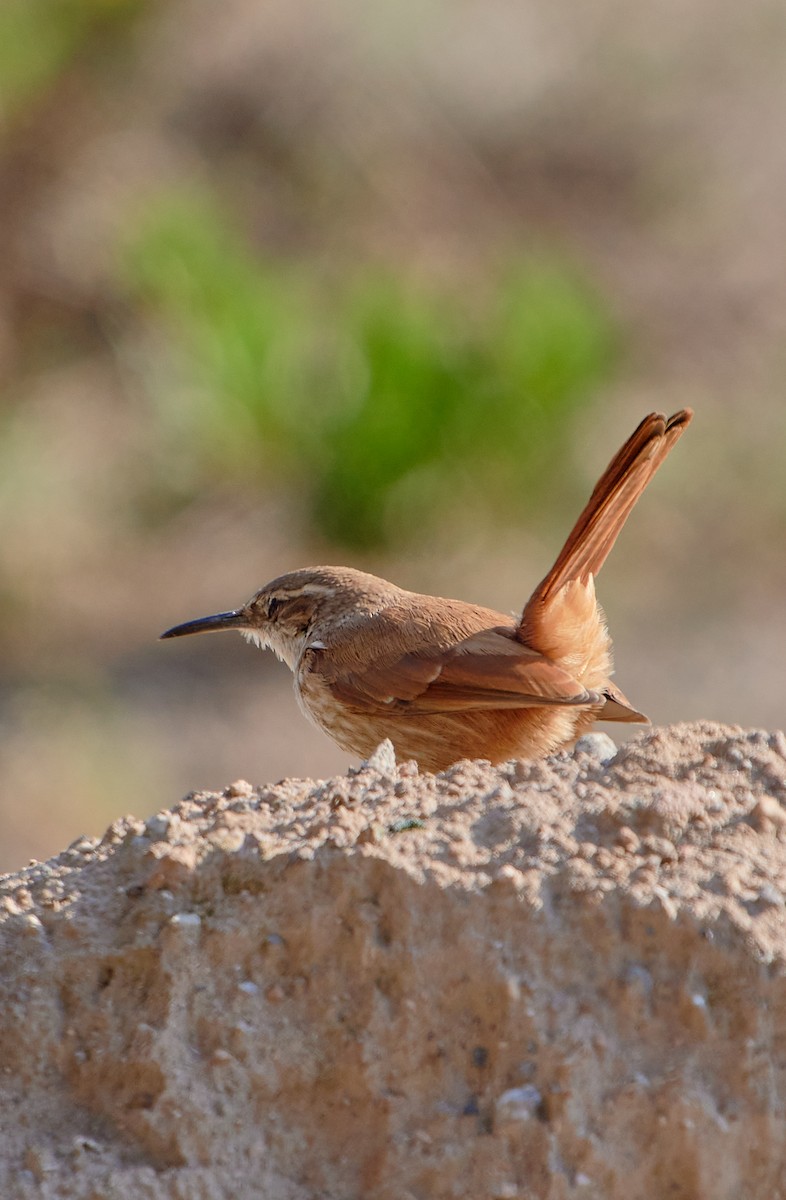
point(273, 605)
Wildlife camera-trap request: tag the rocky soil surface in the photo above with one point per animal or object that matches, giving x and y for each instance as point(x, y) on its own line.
point(544, 980)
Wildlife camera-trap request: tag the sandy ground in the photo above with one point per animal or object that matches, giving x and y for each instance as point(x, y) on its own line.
point(541, 980)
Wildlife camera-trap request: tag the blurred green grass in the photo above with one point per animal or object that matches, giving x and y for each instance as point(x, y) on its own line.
point(377, 398)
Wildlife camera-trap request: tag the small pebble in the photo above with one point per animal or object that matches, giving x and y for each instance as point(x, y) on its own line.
point(185, 920)
point(382, 760)
point(157, 827)
point(241, 787)
point(518, 1104)
point(598, 746)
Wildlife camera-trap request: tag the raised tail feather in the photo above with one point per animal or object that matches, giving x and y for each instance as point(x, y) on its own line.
point(610, 504)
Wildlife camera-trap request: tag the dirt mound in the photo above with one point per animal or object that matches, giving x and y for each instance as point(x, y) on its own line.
point(540, 980)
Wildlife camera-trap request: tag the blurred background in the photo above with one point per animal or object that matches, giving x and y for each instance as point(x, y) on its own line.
point(379, 285)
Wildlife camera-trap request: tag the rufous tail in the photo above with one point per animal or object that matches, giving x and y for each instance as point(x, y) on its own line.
point(610, 504)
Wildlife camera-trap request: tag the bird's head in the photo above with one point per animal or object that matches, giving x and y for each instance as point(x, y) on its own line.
point(298, 610)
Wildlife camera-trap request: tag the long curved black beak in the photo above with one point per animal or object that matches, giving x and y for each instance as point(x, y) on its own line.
point(237, 619)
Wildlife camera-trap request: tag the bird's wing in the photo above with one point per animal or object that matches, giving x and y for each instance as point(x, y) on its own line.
point(486, 670)
point(617, 707)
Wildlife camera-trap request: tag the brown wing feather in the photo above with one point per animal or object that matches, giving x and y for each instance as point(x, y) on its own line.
point(617, 707)
point(484, 671)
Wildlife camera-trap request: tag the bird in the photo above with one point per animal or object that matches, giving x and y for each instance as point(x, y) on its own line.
point(446, 680)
